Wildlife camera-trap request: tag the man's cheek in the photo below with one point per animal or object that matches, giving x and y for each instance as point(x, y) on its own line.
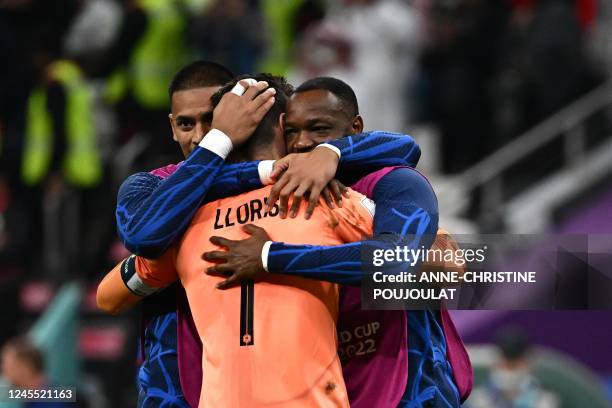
point(180, 137)
point(184, 140)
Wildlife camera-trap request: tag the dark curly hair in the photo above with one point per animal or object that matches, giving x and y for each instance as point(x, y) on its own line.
point(264, 134)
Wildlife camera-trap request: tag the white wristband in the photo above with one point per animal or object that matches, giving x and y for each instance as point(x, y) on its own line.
point(134, 282)
point(137, 286)
point(264, 255)
point(333, 148)
point(265, 168)
point(217, 142)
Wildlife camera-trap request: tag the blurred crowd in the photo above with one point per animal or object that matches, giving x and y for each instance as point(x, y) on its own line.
point(83, 90)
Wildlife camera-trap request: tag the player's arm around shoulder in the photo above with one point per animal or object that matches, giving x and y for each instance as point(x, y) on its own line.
point(403, 198)
point(113, 296)
point(378, 149)
point(406, 205)
point(134, 190)
point(133, 199)
point(133, 279)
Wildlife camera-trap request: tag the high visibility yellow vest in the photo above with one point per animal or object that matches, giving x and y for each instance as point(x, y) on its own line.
point(82, 165)
point(157, 56)
point(278, 15)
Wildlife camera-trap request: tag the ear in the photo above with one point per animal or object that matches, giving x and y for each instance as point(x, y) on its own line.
point(357, 124)
point(281, 123)
point(170, 118)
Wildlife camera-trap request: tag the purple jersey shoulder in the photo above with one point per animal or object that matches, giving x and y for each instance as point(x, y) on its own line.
point(367, 184)
point(166, 171)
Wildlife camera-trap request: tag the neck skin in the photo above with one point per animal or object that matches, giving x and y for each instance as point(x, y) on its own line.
point(257, 151)
point(271, 152)
point(263, 153)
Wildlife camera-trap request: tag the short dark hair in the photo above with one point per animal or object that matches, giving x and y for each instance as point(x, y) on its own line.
point(339, 88)
point(26, 352)
point(264, 133)
point(199, 74)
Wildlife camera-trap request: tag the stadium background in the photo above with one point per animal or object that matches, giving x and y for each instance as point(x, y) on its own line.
point(509, 100)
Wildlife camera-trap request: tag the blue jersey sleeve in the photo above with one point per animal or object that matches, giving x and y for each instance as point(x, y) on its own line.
point(367, 152)
point(153, 212)
point(406, 215)
point(234, 179)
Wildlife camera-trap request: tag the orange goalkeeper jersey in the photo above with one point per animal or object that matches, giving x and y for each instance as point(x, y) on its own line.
point(272, 343)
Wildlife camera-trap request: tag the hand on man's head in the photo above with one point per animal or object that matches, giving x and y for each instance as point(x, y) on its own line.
point(238, 116)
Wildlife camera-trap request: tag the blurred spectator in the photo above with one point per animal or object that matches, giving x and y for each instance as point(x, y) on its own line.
point(285, 22)
point(457, 67)
point(23, 364)
point(60, 134)
point(511, 383)
point(23, 367)
point(600, 34)
point(60, 163)
point(26, 26)
point(531, 85)
point(587, 13)
point(230, 32)
point(372, 45)
point(150, 47)
point(92, 32)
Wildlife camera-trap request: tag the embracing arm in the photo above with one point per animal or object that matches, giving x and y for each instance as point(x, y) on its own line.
point(356, 156)
point(367, 152)
point(133, 279)
point(152, 212)
point(113, 296)
point(359, 154)
point(406, 215)
point(122, 288)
